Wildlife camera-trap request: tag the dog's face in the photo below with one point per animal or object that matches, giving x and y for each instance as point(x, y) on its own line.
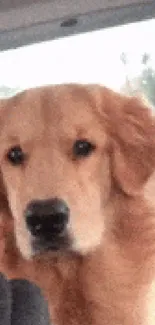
point(63, 149)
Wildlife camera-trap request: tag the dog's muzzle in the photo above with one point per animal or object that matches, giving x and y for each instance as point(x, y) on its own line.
point(47, 222)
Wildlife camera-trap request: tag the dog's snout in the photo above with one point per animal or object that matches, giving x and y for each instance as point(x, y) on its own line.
point(47, 218)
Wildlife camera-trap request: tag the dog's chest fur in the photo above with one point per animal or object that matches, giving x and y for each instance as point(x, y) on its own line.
point(101, 293)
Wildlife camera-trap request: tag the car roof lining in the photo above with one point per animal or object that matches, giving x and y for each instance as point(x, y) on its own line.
point(27, 22)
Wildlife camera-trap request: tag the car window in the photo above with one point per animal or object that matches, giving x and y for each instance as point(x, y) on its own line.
point(122, 58)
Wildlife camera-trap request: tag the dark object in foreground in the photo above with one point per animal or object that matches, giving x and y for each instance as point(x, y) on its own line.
point(21, 303)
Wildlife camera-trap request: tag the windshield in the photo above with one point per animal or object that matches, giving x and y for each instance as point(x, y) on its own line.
point(122, 58)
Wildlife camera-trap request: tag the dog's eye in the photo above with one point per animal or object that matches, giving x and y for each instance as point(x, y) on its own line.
point(16, 156)
point(83, 148)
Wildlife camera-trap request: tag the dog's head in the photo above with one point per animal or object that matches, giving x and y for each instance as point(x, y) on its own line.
point(64, 151)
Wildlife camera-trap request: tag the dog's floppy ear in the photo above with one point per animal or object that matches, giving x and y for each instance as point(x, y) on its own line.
point(5, 214)
point(132, 144)
point(6, 220)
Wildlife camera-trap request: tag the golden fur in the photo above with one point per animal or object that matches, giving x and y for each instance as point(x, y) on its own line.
point(108, 276)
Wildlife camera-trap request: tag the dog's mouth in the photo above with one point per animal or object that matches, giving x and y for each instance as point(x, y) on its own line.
point(54, 244)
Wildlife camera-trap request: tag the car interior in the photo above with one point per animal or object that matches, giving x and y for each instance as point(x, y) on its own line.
point(109, 42)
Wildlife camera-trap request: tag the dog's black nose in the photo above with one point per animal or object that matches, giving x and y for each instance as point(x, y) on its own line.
point(47, 218)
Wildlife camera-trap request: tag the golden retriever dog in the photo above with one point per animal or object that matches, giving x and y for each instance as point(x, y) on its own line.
point(75, 216)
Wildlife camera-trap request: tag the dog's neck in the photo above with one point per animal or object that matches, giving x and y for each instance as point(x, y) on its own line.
point(114, 283)
point(119, 276)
